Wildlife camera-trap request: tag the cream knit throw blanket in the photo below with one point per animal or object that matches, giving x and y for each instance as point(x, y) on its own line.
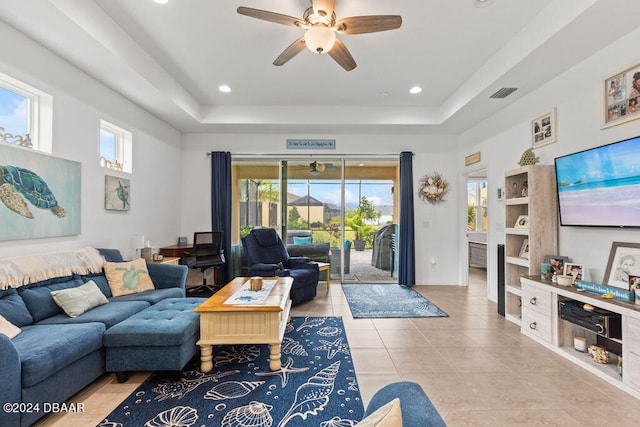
point(23, 270)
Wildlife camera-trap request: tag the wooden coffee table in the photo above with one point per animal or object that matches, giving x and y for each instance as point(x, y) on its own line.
point(265, 323)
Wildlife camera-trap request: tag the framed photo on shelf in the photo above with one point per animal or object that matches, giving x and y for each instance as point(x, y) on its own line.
point(621, 95)
point(543, 129)
point(574, 270)
point(522, 222)
point(624, 262)
point(524, 249)
point(556, 263)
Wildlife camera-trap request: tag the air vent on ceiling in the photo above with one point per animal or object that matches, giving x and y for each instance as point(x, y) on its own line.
point(504, 92)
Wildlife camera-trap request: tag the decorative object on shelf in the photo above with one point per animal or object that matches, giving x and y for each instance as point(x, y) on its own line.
point(525, 189)
point(545, 271)
point(575, 271)
point(41, 195)
point(543, 129)
point(522, 222)
point(619, 367)
point(19, 140)
point(621, 96)
point(433, 188)
point(528, 158)
point(116, 193)
point(524, 249)
point(556, 262)
point(514, 189)
point(621, 294)
point(624, 261)
point(599, 354)
point(563, 280)
point(113, 165)
point(580, 344)
point(182, 240)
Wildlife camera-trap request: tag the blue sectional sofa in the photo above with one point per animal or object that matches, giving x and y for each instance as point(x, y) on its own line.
point(55, 355)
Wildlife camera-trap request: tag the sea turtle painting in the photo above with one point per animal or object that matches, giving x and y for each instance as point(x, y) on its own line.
point(16, 182)
point(123, 194)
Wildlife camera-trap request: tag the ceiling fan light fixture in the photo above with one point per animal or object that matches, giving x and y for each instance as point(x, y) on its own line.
point(319, 39)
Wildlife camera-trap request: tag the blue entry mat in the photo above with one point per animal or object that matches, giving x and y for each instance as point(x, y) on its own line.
point(316, 385)
point(385, 301)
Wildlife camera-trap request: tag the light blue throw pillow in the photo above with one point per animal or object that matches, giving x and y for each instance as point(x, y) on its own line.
point(301, 240)
point(75, 301)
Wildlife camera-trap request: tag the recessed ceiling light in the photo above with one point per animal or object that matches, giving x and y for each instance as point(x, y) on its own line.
point(224, 88)
point(415, 90)
point(161, 1)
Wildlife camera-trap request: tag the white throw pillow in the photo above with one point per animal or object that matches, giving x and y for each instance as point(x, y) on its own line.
point(75, 301)
point(388, 415)
point(9, 329)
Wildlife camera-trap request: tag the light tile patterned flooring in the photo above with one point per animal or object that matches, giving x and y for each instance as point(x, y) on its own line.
point(475, 366)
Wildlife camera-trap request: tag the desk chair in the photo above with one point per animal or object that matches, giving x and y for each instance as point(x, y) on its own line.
point(207, 252)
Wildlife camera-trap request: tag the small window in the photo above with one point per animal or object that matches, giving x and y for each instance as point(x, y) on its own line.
point(115, 147)
point(25, 115)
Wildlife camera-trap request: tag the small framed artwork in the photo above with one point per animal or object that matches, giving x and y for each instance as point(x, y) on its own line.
point(624, 262)
point(621, 95)
point(576, 271)
point(116, 193)
point(545, 271)
point(543, 129)
point(524, 249)
point(522, 222)
point(634, 285)
point(556, 263)
point(182, 240)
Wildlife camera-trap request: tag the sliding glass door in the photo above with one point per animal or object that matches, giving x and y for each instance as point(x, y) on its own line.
point(336, 209)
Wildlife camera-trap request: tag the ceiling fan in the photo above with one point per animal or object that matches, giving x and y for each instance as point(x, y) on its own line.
point(320, 25)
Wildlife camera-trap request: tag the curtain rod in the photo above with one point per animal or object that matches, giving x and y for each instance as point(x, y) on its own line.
point(312, 155)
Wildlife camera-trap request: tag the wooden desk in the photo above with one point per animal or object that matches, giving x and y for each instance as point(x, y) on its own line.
point(167, 260)
point(222, 323)
point(175, 250)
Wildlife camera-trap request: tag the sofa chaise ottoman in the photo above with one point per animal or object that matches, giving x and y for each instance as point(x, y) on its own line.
point(159, 338)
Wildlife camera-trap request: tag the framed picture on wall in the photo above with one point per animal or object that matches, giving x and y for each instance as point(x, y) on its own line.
point(621, 95)
point(624, 262)
point(116, 193)
point(543, 129)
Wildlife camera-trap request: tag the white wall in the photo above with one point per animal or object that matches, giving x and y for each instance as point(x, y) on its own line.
point(436, 230)
point(576, 95)
point(79, 102)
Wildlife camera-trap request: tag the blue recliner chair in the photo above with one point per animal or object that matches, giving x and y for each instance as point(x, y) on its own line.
point(267, 256)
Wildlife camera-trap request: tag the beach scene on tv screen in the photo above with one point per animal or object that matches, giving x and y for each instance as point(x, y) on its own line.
point(601, 186)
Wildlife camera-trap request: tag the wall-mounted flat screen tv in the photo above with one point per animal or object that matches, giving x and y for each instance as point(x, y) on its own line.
point(600, 187)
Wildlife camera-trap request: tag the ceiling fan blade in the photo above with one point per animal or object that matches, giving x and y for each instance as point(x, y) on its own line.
point(294, 48)
point(341, 55)
point(323, 7)
point(368, 24)
point(270, 16)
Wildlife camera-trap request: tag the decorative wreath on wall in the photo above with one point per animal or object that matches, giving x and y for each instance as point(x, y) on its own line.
point(433, 188)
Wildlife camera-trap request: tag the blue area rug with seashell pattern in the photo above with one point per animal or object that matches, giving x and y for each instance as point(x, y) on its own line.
point(388, 300)
point(316, 386)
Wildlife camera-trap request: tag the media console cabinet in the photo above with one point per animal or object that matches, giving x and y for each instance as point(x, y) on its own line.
point(541, 321)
